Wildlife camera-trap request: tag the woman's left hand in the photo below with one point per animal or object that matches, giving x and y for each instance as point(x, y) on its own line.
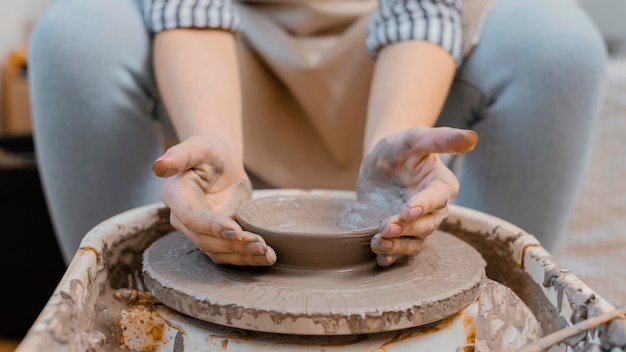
point(405, 174)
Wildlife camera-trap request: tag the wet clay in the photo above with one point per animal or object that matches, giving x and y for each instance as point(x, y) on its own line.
point(437, 283)
point(314, 231)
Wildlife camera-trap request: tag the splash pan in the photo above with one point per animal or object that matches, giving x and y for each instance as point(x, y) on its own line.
point(102, 303)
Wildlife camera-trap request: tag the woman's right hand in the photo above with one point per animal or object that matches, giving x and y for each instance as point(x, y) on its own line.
point(206, 183)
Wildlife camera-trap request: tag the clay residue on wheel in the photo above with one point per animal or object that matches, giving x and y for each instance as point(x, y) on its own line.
point(442, 280)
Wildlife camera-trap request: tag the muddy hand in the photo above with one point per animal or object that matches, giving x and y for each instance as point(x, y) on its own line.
point(405, 174)
point(205, 185)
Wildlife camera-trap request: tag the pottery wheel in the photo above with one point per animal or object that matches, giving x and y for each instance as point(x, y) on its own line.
point(438, 282)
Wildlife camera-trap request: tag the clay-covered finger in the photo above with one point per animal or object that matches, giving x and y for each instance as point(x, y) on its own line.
point(388, 259)
point(244, 249)
point(228, 241)
point(174, 160)
point(392, 227)
point(410, 146)
point(164, 167)
point(435, 196)
point(212, 230)
point(205, 222)
point(190, 153)
point(398, 245)
point(443, 140)
point(269, 258)
point(421, 227)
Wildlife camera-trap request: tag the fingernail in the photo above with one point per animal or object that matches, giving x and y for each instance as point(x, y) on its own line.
point(164, 156)
point(271, 257)
point(391, 229)
point(410, 214)
point(268, 259)
point(231, 235)
point(380, 244)
point(255, 248)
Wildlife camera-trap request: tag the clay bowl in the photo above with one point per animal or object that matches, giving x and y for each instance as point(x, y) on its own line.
point(313, 231)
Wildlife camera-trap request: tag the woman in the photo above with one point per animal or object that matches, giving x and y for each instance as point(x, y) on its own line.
point(324, 94)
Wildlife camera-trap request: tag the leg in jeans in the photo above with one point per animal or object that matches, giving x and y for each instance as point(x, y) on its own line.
point(93, 97)
point(532, 90)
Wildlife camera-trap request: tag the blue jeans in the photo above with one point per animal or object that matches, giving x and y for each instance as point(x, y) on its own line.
point(532, 89)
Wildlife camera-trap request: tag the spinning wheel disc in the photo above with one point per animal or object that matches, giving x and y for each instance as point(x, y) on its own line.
point(438, 282)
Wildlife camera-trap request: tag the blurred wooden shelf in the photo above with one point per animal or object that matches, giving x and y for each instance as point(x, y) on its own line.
point(8, 345)
point(16, 118)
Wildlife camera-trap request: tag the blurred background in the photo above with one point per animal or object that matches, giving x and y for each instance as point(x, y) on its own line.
point(31, 264)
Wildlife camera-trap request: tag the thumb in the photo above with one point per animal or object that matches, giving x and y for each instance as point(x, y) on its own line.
point(177, 158)
point(428, 140)
point(388, 259)
point(446, 140)
point(458, 141)
point(164, 166)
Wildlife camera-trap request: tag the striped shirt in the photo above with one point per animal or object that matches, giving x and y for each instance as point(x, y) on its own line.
point(435, 21)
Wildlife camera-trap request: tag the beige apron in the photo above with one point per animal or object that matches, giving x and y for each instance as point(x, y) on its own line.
point(306, 76)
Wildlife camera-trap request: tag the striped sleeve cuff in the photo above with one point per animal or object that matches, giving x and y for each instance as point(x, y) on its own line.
point(436, 21)
point(168, 14)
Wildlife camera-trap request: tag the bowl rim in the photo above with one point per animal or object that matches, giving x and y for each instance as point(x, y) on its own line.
point(277, 232)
